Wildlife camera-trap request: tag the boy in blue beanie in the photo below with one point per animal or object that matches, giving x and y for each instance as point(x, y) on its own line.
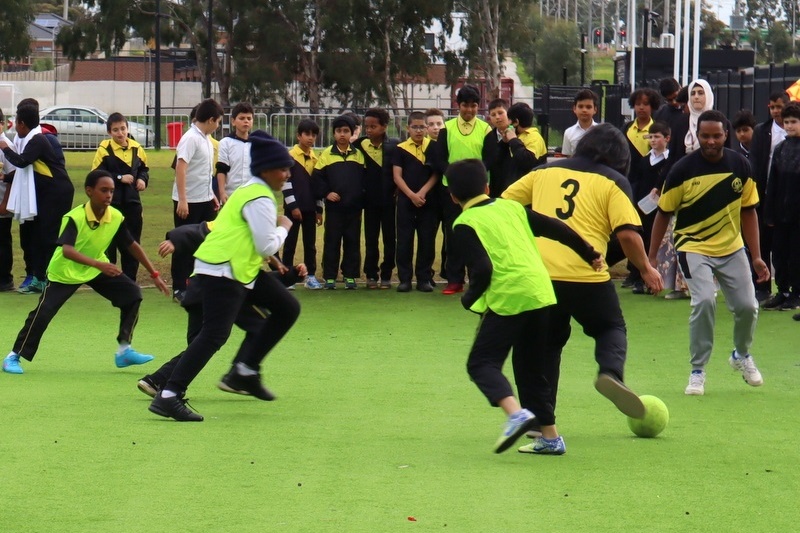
point(227, 266)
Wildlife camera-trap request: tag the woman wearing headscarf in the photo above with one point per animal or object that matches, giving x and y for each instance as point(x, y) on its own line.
point(684, 135)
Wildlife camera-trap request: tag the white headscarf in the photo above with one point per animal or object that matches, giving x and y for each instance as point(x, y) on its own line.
point(690, 141)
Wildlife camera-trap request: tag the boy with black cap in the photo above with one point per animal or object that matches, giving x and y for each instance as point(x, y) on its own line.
point(461, 138)
point(227, 264)
point(339, 178)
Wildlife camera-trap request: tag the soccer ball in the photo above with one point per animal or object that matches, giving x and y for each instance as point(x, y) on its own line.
point(655, 418)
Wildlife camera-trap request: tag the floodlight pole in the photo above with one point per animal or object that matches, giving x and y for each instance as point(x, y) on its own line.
point(210, 50)
point(157, 128)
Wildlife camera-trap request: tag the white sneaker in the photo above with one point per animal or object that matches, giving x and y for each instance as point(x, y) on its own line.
point(696, 386)
point(747, 367)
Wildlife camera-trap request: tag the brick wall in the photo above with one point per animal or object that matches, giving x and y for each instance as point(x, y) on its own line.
point(129, 69)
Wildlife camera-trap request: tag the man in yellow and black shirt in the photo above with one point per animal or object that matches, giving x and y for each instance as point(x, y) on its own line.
point(712, 194)
point(591, 195)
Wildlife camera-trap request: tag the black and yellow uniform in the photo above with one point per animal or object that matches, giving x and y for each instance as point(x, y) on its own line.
point(379, 207)
point(509, 161)
point(593, 200)
point(341, 173)
point(298, 193)
point(638, 142)
point(90, 236)
point(120, 160)
point(424, 220)
point(54, 192)
point(707, 199)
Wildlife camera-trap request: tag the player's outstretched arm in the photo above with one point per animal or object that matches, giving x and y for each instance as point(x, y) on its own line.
point(633, 246)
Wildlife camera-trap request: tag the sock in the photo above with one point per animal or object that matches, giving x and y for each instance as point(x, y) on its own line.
point(168, 394)
point(244, 370)
point(122, 347)
point(697, 371)
point(737, 355)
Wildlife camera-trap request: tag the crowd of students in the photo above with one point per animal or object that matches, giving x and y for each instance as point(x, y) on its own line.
point(665, 192)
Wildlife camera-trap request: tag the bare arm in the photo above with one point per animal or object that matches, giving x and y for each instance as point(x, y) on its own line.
point(750, 234)
point(180, 182)
point(136, 251)
point(632, 245)
point(660, 225)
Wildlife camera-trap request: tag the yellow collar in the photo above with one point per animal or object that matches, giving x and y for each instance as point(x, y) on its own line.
point(473, 201)
point(92, 219)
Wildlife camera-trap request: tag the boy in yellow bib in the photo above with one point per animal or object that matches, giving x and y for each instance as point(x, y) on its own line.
point(86, 233)
point(511, 290)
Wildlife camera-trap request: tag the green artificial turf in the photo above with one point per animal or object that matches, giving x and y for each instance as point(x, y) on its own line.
point(377, 423)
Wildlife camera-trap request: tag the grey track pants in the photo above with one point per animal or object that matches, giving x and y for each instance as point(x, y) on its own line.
point(733, 274)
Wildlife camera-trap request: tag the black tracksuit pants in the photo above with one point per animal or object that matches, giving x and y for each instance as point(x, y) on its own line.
point(214, 305)
point(524, 334)
point(123, 294)
point(133, 221)
point(183, 263)
point(379, 221)
point(422, 222)
point(342, 240)
point(595, 306)
point(309, 227)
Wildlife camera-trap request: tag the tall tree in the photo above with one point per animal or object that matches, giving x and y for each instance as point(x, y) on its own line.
point(14, 39)
point(395, 47)
point(108, 24)
point(490, 27)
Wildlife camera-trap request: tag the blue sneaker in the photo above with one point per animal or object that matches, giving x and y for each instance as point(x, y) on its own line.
point(36, 286)
point(543, 446)
point(350, 284)
point(517, 425)
point(11, 364)
point(131, 357)
point(27, 281)
point(312, 283)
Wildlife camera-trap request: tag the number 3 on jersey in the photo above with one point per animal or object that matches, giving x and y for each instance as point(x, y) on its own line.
point(571, 188)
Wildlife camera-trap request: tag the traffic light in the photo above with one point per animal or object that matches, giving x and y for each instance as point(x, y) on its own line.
point(622, 33)
point(597, 33)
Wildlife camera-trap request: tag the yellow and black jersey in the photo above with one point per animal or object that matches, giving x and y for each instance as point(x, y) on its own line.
point(119, 160)
point(342, 173)
point(412, 158)
point(48, 165)
point(590, 198)
point(707, 199)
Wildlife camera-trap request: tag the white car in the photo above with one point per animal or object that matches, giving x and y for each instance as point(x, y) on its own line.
point(82, 127)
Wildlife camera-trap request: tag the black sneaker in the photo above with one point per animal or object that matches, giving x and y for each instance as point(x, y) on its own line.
point(791, 303)
point(775, 302)
point(148, 386)
point(247, 385)
point(175, 408)
point(640, 288)
point(404, 286)
point(628, 282)
point(425, 286)
point(178, 296)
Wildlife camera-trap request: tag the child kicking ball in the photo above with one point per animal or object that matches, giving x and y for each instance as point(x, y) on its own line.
point(511, 290)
